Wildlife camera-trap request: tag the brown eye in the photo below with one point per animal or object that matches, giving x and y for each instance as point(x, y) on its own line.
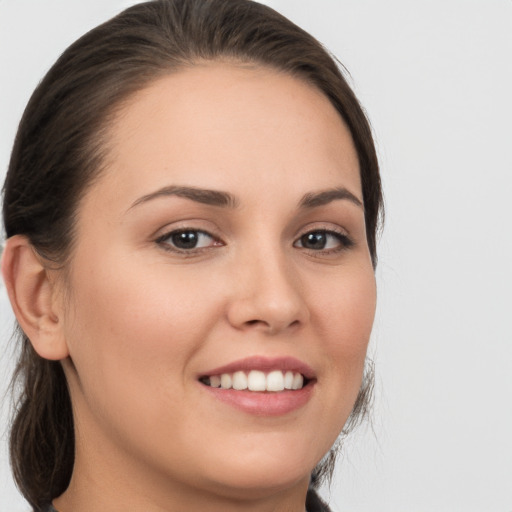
point(321, 240)
point(315, 240)
point(187, 239)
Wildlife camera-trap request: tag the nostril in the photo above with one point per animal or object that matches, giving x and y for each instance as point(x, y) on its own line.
point(260, 312)
point(271, 327)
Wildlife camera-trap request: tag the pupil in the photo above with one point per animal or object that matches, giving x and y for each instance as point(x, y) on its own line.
point(185, 239)
point(315, 240)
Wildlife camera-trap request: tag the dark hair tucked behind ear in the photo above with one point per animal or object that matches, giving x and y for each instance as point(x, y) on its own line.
point(60, 150)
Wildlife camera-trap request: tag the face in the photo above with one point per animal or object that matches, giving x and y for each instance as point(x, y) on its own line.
point(224, 243)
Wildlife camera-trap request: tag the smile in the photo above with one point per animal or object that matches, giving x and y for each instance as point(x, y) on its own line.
point(256, 380)
point(260, 385)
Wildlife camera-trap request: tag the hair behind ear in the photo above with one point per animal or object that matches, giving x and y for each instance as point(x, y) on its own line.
point(42, 435)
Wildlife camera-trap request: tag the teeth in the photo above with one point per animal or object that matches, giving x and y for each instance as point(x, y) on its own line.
point(275, 381)
point(256, 380)
point(288, 380)
point(226, 381)
point(298, 381)
point(239, 380)
point(215, 381)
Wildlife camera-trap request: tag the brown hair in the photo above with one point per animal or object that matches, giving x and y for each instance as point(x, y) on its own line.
point(59, 151)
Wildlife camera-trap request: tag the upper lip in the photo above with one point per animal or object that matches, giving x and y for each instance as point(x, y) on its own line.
point(264, 364)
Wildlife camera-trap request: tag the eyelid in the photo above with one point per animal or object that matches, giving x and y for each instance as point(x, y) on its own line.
point(327, 227)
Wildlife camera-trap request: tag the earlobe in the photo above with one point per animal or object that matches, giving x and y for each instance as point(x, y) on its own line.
point(32, 296)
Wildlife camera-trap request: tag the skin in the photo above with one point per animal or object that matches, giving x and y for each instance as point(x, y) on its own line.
point(140, 320)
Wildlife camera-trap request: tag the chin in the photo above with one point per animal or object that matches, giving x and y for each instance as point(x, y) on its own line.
point(260, 476)
point(259, 484)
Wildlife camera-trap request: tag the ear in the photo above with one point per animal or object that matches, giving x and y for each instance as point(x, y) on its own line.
point(33, 298)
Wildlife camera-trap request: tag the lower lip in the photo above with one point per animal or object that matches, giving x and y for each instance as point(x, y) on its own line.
point(264, 403)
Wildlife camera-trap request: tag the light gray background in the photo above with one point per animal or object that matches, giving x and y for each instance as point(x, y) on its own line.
point(435, 77)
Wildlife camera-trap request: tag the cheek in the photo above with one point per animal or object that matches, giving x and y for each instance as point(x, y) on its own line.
point(342, 315)
point(346, 308)
point(345, 316)
point(135, 302)
point(130, 331)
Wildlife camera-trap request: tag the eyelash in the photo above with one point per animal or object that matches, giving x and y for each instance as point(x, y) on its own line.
point(344, 241)
point(168, 246)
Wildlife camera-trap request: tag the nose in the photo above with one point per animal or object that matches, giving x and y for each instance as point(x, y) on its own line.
point(269, 296)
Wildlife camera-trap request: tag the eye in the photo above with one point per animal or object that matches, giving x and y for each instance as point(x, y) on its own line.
point(324, 240)
point(187, 240)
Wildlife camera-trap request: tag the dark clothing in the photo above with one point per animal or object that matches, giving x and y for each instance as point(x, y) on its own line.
point(313, 504)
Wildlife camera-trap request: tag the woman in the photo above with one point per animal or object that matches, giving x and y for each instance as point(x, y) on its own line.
point(191, 209)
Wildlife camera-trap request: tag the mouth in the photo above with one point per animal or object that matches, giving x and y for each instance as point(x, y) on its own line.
point(261, 374)
point(261, 386)
point(273, 381)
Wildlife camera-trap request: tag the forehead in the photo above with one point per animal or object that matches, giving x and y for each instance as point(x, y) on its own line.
point(223, 125)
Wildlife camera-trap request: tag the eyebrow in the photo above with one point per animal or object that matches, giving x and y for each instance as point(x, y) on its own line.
point(315, 199)
point(200, 195)
point(227, 200)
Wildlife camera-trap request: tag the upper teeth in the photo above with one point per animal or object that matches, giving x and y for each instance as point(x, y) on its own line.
point(256, 380)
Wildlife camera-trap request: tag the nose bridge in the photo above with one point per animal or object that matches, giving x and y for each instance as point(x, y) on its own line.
point(269, 292)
